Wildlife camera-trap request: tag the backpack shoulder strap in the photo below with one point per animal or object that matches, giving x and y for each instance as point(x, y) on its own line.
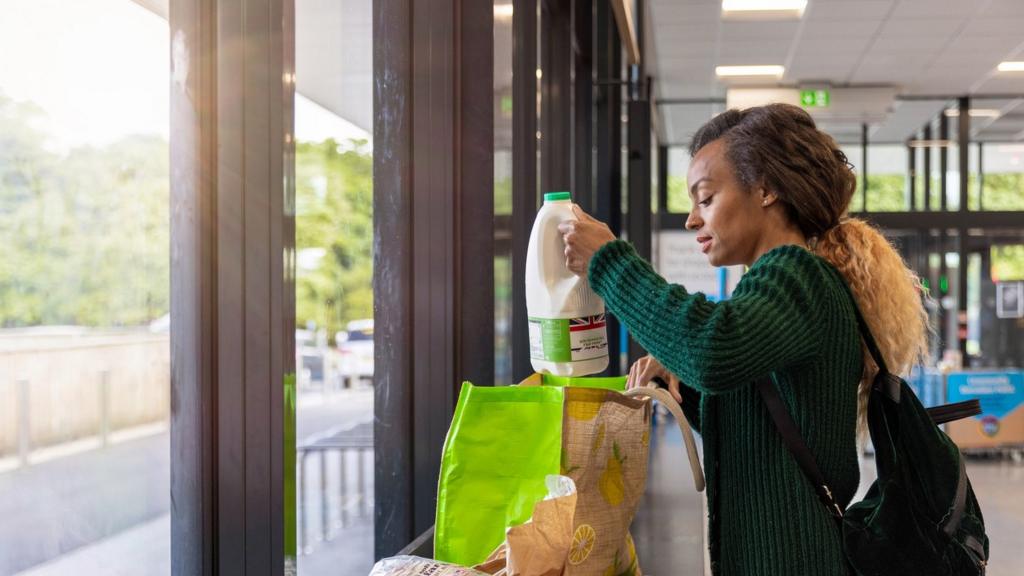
point(796, 445)
point(885, 382)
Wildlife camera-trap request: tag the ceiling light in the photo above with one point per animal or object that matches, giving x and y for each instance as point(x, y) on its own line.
point(763, 9)
point(1011, 67)
point(974, 113)
point(748, 71)
point(503, 11)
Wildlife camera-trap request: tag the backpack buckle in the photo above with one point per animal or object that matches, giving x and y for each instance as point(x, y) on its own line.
point(831, 503)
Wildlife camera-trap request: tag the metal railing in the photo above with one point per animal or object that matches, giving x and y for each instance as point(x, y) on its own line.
point(336, 501)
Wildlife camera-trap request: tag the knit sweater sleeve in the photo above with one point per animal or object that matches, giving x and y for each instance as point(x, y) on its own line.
point(770, 322)
point(691, 405)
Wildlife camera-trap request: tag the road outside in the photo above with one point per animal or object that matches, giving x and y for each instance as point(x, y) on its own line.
point(106, 510)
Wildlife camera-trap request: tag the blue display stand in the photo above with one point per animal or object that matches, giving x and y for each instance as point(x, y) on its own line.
point(1001, 394)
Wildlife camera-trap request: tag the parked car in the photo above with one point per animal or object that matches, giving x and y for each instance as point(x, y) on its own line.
point(355, 347)
point(309, 358)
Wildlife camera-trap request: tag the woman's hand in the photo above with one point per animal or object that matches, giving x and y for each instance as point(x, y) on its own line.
point(583, 237)
point(646, 369)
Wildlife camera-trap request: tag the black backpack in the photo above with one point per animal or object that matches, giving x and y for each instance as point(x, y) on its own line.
point(920, 516)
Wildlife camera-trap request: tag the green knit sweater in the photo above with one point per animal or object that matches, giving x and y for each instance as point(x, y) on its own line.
point(790, 317)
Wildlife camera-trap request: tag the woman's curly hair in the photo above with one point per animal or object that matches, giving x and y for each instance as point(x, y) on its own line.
point(779, 148)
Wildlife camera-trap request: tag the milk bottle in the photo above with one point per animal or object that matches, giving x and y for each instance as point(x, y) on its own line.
point(566, 318)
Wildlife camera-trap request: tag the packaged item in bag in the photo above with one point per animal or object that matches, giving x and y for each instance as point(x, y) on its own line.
point(416, 566)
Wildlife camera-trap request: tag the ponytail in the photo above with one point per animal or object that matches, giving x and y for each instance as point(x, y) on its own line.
point(889, 296)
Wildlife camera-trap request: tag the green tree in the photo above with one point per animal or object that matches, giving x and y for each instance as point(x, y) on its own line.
point(334, 233)
point(678, 196)
point(85, 234)
point(886, 193)
point(1003, 191)
point(1008, 262)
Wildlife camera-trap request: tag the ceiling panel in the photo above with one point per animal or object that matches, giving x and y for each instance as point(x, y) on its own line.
point(733, 30)
point(1003, 8)
point(671, 61)
point(941, 47)
point(929, 8)
point(905, 120)
point(931, 27)
point(969, 64)
point(670, 12)
point(841, 28)
point(992, 47)
point(825, 48)
point(749, 51)
point(1002, 84)
point(995, 27)
point(897, 45)
point(891, 65)
point(836, 70)
point(688, 32)
point(869, 9)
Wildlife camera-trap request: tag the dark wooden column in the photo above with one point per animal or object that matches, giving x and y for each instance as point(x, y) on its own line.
point(963, 149)
point(433, 242)
point(608, 198)
point(524, 172)
point(639, 217)
point(232, 283)
point(583, 104)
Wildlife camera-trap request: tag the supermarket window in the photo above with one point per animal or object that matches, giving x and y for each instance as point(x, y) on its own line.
point(334, 355)
point(887, 178)
point(84, 288)
point(854, 155)
point(1003, 176)
point(678, 165)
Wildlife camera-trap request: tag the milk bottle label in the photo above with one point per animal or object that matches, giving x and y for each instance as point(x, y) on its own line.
point(568, 339)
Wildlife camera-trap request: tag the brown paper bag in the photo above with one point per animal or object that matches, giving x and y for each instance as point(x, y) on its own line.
point(539, 547)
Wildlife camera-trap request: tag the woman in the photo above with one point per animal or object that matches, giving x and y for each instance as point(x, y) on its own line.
point(769, 191)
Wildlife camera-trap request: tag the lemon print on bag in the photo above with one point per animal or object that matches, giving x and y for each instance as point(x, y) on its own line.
point(616, 570)
point(612, 484)
point(583, 410)
point(582, 543)
point(583, 404)
point(598, 440)
point(566, 469)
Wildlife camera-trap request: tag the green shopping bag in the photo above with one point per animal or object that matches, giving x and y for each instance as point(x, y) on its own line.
point(502, 443)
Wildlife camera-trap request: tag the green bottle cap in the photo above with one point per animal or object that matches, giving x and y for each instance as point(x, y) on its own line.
point(556, 196)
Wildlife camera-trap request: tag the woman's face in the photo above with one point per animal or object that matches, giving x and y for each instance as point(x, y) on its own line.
point(728, 220)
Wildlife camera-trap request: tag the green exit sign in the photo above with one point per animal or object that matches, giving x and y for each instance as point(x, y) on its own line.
point(814, 98)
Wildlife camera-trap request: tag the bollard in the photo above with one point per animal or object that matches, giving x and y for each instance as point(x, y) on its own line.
point(342, 482)
point(360, 454)
point(325, 511)
point(24, 423)
point(303, 535)
point(104, 407)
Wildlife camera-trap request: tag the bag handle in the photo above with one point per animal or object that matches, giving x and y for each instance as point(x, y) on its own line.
point(666, 399)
